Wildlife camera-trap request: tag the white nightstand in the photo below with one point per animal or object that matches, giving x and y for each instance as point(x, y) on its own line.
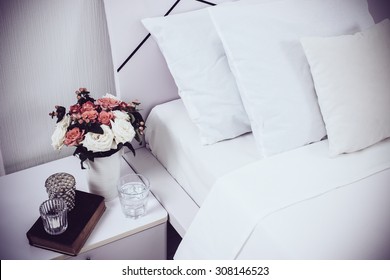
point(114, 237)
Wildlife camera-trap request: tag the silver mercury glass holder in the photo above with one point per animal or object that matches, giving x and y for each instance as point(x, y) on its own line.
point(62, 185)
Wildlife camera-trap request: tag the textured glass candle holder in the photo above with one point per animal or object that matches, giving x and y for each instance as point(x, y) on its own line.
point(62, 185)
point(54, 216)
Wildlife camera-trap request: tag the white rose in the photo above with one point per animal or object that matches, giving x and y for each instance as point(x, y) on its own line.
point(123, 130)
point(99, 142)
point(121, 115)
point(58, 137)
point(108, 95)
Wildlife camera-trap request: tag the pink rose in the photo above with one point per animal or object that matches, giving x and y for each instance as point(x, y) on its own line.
point(105, 117)
point(81, 90)
point(123, 105)
point(89, 116)
point(73, 137)
point(74, 109)
point(75, 117)
point(87, 106)
point(108, 103)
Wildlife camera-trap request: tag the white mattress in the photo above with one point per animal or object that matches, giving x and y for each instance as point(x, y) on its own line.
point(174, 141)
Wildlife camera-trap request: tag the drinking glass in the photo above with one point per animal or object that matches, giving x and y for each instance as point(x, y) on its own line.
point(133, 190)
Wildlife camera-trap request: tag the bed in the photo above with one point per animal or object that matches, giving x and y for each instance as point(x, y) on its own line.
point(278, 141)
point(196, 167)
point(277, 200)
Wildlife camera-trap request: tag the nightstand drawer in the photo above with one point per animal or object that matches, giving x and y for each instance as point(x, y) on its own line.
point(149, 244)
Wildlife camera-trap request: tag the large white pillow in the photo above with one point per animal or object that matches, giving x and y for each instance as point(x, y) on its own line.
point(352, 78)
point(198, 64)
point(273, 76)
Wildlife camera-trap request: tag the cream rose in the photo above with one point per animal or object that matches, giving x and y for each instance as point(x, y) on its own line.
point(58, 137)
point(121, 115)
point(108, 95)
point(123, 130)
point(100, 142)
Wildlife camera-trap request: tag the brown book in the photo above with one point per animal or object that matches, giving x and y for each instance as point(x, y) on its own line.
point(81, 221)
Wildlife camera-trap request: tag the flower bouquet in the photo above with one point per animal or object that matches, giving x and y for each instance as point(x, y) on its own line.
point(97, 128)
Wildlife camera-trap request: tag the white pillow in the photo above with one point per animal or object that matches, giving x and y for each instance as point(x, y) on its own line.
point(198, 64)
point(352, 78)
point(264, 52)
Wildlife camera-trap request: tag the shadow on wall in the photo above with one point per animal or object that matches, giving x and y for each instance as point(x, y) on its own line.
point(379, 9)
point(2, 170)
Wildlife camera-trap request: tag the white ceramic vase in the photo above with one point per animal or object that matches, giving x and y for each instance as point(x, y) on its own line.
point(103, 175)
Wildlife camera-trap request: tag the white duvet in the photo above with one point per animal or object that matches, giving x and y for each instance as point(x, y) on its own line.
point(298, 205)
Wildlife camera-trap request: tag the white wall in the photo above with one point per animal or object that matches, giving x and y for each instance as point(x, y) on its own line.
point(48, 49)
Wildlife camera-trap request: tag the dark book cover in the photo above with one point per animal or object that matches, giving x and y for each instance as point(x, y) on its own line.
point(81, 221)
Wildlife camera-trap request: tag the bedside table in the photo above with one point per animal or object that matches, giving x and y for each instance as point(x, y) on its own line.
point(114, 236)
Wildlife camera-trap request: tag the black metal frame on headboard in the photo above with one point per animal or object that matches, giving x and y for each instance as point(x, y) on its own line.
point(147, 36)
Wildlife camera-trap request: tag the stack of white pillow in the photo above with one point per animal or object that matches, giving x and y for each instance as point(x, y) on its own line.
point(290, 71)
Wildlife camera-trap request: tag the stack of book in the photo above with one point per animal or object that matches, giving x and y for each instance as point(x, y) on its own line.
point(81, 222)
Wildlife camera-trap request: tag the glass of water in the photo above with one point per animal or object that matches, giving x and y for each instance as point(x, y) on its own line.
point(133, 190)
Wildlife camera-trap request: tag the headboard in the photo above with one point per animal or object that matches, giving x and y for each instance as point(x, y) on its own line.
point(139, 67)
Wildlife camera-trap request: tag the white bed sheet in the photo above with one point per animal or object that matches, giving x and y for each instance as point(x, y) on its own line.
point(174, 141)
point(345, 224)
point(297, 205)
